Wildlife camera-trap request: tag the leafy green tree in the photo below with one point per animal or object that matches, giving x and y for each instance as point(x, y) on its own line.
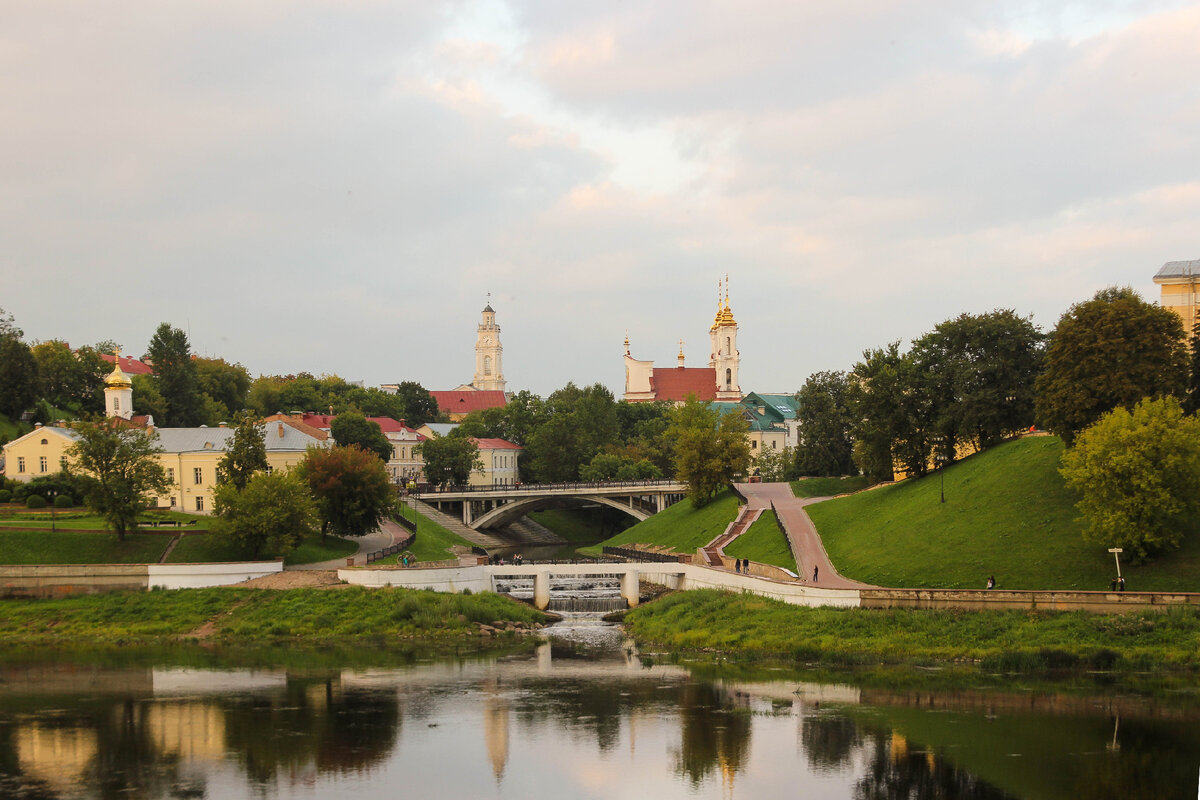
point(1192, 403)
point(175, 374)
point(351, 487)
point(579, 422)
point(246, 454)
point(18, 369)
point(1137, 475)
point(65, 381)
point(1110, 351)
point(711, 448)
point(877, 387)
point(450, 460)
point(980, 372)
point(825, 420)
point(225, 383)
point(147, 399)
point(514, 422)
point(353, 429)
point(122, 468)
point(419, 405)
point(269, 516)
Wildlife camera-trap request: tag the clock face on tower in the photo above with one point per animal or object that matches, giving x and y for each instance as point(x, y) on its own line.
point(487, 340)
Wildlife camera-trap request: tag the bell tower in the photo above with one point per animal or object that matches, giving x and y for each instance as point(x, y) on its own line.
point(489, 374)
point(725, 356)
point(118, 392)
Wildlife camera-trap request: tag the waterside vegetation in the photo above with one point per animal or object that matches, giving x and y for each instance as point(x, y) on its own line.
point(746, 626)
point(683, 526)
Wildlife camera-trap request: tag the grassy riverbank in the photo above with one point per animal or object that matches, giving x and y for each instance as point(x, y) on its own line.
point(752, 627)
point(681, 526)
point(764, 543)
point(243, 616)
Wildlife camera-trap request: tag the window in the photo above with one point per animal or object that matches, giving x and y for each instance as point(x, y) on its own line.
point(171, 474)
point(45, 441)
point(270, 469)
point(197, 476)
point(43, 463)
point(62, 462)
point(487, 365)
point(728, 347)
point(20, 463)
point(754, 445)
point(199, 503)
point(116, 404)
point(728, 378)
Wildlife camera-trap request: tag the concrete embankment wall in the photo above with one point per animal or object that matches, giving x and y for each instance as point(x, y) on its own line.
point(54, 580)
point(994, 599)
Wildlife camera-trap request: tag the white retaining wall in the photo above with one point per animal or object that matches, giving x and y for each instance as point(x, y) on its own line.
point(195, 576)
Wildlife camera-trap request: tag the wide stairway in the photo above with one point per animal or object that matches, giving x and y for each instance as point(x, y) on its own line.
point(714, 550)
point(523, 531)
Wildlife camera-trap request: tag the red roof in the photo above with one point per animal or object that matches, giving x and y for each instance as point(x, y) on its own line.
point(386, 424)
point(464, 401)
point(676, 383)
point(496, 444)
point(130, 366)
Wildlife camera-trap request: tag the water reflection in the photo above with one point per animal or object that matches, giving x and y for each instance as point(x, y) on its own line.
point(580, 717)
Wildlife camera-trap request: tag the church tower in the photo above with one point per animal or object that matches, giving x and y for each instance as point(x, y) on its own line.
point(725, 356)
point(489, 375)
point(118, 392)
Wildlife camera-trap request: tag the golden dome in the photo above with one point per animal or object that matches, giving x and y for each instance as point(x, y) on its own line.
point(724, 317)
point(118, 379)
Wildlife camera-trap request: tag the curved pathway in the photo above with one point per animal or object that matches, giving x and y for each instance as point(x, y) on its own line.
point(806, 542)
point(385, 535)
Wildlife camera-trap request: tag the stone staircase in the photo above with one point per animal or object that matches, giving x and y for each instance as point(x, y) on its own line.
point(713, 553)
point(455, 525)
point(523, 531)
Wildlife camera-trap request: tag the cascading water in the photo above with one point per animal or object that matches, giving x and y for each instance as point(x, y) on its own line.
point(589, 594)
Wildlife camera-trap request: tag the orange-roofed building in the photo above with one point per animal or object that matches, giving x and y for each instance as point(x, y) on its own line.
point(457, 403)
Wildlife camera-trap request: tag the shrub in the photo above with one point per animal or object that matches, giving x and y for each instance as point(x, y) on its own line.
point(64, 501)
point(35, 501)
point(5, 495)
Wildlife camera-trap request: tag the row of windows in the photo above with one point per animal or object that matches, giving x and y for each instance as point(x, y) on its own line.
point(43, 463)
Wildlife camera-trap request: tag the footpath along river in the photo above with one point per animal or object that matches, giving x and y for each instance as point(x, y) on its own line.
point(582, 716)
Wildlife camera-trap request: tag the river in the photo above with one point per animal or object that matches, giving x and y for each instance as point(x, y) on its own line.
point(583, 716)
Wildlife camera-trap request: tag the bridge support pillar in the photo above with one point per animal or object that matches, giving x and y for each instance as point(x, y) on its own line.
point(541, 590)
point(630, 587)
point(660, 502)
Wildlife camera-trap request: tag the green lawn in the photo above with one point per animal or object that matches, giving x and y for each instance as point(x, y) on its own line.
point(828, 487)
point(764, 543)
point(10, 430)
point(681, 526)
point(579, 524)
point(1007, 513)
point(17, 516)
point(433, 541)
point(69, 547)
point(316, 548)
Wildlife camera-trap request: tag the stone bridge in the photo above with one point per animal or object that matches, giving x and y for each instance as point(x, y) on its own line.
point(497, 506)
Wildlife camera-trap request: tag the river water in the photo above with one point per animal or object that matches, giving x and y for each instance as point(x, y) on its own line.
point(583, 716)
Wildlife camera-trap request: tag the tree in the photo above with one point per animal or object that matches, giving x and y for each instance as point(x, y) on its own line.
point(824, 418)
point(876, 395)
point(18, 369)
point(175, 374)
point(270, 515)
point(450, 460)
point(225, 383)
point(710, 450)
point(1110, 351)
point(122, 466)
point(1137, 475)
point(981, 371)
point(578, 423)
point(351, 488)
point(70, 380)
point(354, 429)
point(246, 454)
point(419, 405)
point(147, 399)
point(1192, 404)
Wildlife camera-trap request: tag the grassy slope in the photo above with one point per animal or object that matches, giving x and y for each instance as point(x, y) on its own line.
point(572, 524)
point(1007, 513)
point(433, 541)
point(247, 614)
point(764, 543)
point(35, 547)
point(828, 487)
point(17, 516)
point(681, 526)
point(10, 430)
point(705, 620)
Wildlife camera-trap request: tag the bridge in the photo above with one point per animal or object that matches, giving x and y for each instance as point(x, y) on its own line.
point(497, 506)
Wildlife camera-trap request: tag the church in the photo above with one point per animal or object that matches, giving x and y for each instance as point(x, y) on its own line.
point(486, 389)
point(717, 382)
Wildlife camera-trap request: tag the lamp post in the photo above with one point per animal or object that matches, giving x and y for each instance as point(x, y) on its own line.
point(939, 458)
point(1116, 551)
point(53, 496)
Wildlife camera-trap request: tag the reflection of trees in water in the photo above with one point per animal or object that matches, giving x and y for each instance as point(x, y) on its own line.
point(313, 722)
point(829, 740)
point(896, 772)
point(713, 733)
point(1150, 761)
point(593, 707)
point(13, 782)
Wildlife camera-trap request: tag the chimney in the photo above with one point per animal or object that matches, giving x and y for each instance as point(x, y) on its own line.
point(222, 424)
point(281, 430)
point(37, 424)
point(402, 425)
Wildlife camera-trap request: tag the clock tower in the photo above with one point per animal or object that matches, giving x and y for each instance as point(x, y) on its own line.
point(489, 375)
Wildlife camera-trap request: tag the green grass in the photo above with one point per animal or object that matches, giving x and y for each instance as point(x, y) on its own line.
point(759, 627)
point(433, 541)
point(208, 547)
point(764, 543)
point(244, 615)
point(681, 526)
point(1007, 513)
point(828, 487)
point(68, 547)
point(10, 430)
point(17, 516)
point(576, 524)
point(315, 548)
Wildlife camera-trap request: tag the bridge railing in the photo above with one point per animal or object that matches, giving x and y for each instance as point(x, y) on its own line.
point(391, 549)
point(535, 488)
point(634, 554)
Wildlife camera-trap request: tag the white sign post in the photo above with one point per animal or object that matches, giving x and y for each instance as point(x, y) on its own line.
point(1116, 551)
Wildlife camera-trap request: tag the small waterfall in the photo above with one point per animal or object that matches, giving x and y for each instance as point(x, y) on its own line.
point(587, 605)
point(588, 594)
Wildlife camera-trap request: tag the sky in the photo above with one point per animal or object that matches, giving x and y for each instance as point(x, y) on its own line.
point(336, 187)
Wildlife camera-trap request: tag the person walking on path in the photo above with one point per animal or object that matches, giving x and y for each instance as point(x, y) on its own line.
point(991, 584)
point(815, 568)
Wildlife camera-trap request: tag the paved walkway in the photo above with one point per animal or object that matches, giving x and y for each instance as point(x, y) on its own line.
point(806, 542)
point(386, 534)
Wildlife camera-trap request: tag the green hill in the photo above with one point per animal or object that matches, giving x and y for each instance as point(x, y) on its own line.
point(1007, 513)
point(681, 526)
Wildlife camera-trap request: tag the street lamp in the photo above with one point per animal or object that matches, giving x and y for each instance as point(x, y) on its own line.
point(53, 495)
point(940, 459)
point(1116, 551)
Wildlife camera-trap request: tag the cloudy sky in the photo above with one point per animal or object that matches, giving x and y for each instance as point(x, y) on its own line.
point(337, 186)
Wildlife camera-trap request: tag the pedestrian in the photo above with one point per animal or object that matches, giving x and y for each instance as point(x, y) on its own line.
point(1121, 584)
point(1112, 585)
point(745, 566)
point(814, 573)
point(991, 584)
point(737, 565)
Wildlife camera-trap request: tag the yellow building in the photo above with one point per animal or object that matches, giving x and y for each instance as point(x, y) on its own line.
point(1178, 280)
point(42, 451)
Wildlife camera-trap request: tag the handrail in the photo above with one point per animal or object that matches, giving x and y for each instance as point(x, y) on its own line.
point(533, 488)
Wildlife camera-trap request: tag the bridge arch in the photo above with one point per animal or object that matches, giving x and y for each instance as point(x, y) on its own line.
point(515, 509)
